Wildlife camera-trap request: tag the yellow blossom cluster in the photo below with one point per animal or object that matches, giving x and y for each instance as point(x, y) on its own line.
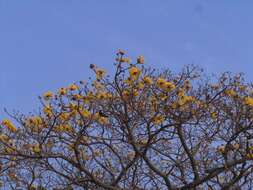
point(250, 154)
point(126, 94)
point(230, 92)
point(165, 85)
point(157, 120)
point(48, 110)
point(134, 73)
point(103, 120)
point(100, 73)
point(147, 80)
point(123, 59)
point(248, 101)
point(9, 125)
point(185, 99)
point(73, 87)
point(221, 149)
point(100, 119)
point(85, 113)
point(47, 95)
point(103, 95)
point(4, 138)
point(214, 115)
point(64, 128)
point(97, 153)
point(62, 91)
point(35, 121)
point(36, 148)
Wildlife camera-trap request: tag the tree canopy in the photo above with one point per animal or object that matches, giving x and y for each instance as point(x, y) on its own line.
point(140, 128)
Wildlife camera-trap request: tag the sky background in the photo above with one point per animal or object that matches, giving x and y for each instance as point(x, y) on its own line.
point(47, 44)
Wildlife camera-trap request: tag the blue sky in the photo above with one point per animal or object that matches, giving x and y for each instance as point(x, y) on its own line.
point(47, 44)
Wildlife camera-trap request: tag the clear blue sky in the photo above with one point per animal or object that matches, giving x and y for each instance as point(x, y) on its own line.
point(47, 44)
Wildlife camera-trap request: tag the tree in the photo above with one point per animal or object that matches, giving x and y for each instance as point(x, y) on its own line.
point(138, 129)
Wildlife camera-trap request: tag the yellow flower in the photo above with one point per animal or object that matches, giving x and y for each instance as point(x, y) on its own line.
point(89, 96)
point(125, 94)
point(58, 128)
point(73, 113)
point(86, 99)
point(123, 59)
point(248, 101)
point(97, 153)
point(161, 82)
point(4, 138)
point(36, 148)
point(158, 119)
point(64, 116)
point(9, 150)
point(67, 128)
point(85, 113)
point(135, 92)
point(62, 91)
point(100, 73)
point(77, 97)
point(165, 85)
point(242, 88)
point(214, 115)
point(73, 106)
point(7, 123)
point(134, 73)
point(140, 59)
point(47, 95)
point(36, 120)
point(183, 99)
point(168, 86)
point(73, 87)
point(147, 80)
point(48, 110)
point(180, 92)
point(230, 92)
point(103, 120)
point(249, 156)
point(174, 105)
point(109, 95)
point(140, 85)
point(221, 149)
point(102, 95)
point(63, 128)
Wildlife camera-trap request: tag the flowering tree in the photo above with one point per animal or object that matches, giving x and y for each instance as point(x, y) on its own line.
point(138, 129)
